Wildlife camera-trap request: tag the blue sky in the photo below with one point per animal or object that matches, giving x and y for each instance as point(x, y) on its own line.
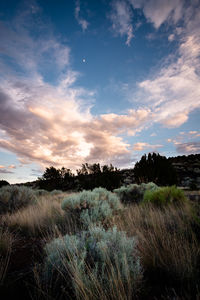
point(97, 81)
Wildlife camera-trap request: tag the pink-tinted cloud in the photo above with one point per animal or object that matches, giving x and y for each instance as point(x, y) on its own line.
point(140, 146)
point(5, 170)
point(188, 148)
point(53, 125)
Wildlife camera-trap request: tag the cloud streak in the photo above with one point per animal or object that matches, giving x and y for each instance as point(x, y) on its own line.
point(140, 146)
point(82, 22)
point(121, 17)
point(6, 170)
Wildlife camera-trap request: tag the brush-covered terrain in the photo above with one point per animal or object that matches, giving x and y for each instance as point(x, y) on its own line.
point(136, 242)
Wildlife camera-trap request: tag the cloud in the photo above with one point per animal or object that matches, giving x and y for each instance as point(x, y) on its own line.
point(186, 142)
point(174, 91)
point(12, 167)
point(4, 170)
point(121, 17)
point(52, 124)
point(82, 22)
point(140, 146)
point(188, 148)
point(171, 37)
point(158, 11)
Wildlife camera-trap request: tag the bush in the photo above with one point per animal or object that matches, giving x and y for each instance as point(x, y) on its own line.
point(134, 193)
point(56, 192)
point(15, 197)
point(41, 192)
point(98, 261)
point(165, 196)
point(95, 206)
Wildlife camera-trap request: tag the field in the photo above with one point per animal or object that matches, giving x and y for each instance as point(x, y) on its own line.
point(90, 245)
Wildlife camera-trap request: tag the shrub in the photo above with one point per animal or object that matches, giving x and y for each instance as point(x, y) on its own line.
point(98, 262)
point(41, 192)
point(56, 192)
point(15, 197)
point(95, 206)
point(165, 196)
point(134, 193)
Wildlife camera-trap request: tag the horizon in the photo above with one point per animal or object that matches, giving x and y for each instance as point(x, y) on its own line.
point(97, 81)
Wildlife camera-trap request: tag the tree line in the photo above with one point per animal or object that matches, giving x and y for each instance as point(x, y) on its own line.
point(151, 168)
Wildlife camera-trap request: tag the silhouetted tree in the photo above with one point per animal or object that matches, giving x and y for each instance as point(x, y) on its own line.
point(4, 182)
point(94, 175)
point(155, 168)
point(56, 179)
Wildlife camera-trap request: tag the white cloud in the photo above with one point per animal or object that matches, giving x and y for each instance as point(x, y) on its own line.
point(159, 11)
point(121, 17)
point(82, 22)
point(174, 91)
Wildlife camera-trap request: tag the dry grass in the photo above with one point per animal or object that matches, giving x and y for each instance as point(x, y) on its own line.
point(87, 286)
point(6, 243)
point(167, 244)
point(38, 219)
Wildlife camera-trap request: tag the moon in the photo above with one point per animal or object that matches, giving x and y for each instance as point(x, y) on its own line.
point(84, 60)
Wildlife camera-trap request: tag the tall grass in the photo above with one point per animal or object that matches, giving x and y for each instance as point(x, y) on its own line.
point(6, 243)
point(167, 245)
point(39, 219)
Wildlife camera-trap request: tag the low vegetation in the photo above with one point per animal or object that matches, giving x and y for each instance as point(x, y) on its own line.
point(91, 207)
point(96, 263)
point(14, 197)
point(134, 193)
point(137, 242)
point(169, 195)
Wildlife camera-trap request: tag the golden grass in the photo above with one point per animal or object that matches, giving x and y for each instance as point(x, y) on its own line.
point(38, 219)
point(165, 238)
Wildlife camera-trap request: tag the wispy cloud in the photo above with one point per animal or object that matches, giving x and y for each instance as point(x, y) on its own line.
point(121, 17)
point(82, 22)
point(140, 146)
point(174, 91)
point(6, 170)
point(188, 148)
point(186, 142)
point(158, 11)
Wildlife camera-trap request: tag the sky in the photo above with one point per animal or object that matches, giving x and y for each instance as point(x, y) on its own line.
point(97, 82)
